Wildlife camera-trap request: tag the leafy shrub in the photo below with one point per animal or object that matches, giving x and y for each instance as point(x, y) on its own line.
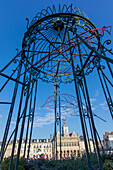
point(6, 162)
point(64, 164)
point(108, 165)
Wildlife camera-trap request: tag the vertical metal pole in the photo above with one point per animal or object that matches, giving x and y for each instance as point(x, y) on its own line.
point(107, 90)
point(89, 120)
point(86, 132)
point(93, 125)
point(100, 141)
point(54, 126)
point(10, 114)
point(32, 119)
point(80, 106)
point(110, 69)
point(60, 122)
point(107, 63)
point(28, 119)
point(104, 92)
point(18, 118)
point(92, 136)
point(90, 110)
point(82, 123)
point(24, 115)
point(22, 126)
point(55, 104)
point(83, 91)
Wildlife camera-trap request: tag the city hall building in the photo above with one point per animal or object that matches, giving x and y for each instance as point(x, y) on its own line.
point(71, 146)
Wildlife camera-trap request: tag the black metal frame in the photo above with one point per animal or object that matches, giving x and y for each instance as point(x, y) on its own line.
point(26, 60)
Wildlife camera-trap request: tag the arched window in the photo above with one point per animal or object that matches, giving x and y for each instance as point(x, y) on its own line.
point(74, 152)
point(67, 152)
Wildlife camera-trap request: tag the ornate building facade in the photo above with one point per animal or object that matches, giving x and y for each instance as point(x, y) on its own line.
point(69, 143)
point(63, 145)
point(37, 147)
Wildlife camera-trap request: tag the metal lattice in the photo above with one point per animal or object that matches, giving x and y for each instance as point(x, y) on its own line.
point(59, 46)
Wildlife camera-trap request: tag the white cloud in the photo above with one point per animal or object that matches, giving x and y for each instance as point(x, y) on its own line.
point(93, 108)
point(49, 118)
point(65, 113)
point(49, 109)
point(39, 108)
point(69, 111)
point(1, 116)
point(105, 108)
point(92, 100)
point(103, 104)
point(45, 120)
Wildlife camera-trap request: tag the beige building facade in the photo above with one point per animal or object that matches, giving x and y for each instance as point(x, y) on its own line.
point(38, 147)
point(69, 143)
point(71, 146)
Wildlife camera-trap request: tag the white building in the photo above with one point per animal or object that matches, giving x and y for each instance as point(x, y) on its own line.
point(108, 140)
point(71, 145)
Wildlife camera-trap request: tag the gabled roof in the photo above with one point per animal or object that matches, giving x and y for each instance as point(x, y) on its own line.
point(73, 134)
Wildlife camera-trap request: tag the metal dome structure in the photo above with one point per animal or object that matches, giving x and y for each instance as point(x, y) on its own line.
point(54, 36)
point(59, 46)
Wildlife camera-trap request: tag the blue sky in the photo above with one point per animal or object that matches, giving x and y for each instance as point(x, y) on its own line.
point(13, 16)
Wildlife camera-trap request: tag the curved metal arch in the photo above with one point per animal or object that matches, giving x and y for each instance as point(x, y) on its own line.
point(30, 30)
point(64, 9)
point(40, 42)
